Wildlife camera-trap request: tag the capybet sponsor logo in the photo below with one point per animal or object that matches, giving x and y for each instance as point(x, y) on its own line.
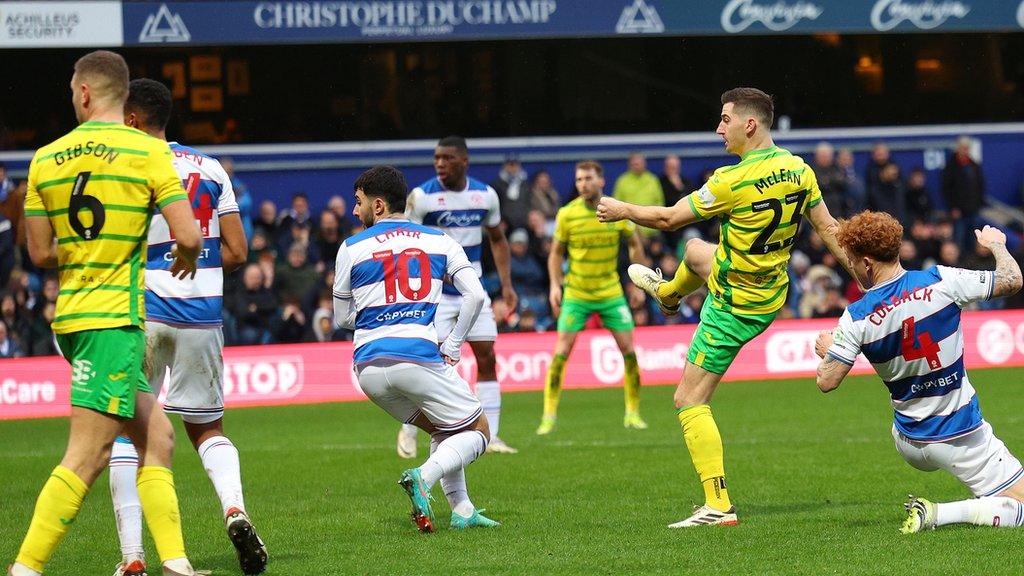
point(18, 392)
point(926, 15)
point(738, 15)
point(251, 378)
point(609, 367)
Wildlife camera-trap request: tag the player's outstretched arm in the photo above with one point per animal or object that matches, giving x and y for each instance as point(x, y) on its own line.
point(830, 370)
point(473, 295)
point(1007, 274)
point(187, 237)
point(555, 260)
point(502, 261)
point(660, 217)
point(826, 226)
point(234, 246)
point(42, 246)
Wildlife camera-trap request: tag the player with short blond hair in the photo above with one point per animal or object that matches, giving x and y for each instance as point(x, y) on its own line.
point(908, 327)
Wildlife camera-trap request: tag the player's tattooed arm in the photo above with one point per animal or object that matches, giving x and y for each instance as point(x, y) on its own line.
point(1007, 274)
point(831, 373)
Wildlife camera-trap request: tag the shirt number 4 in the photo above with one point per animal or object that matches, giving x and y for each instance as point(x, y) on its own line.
point(917, 346)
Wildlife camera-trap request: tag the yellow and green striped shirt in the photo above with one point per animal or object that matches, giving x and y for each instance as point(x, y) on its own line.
point(760, 202)
point(97, 185)
point(593, 249)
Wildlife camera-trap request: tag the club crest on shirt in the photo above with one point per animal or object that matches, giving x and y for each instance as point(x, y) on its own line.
point(707, 199)
point(477, 199)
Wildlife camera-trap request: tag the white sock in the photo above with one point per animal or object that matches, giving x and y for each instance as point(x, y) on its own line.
point(454, 486)
point(220, 459)
point(489, 393)
point(124, 493)
point(998, 511)
point(453, 453)
point(22, 570)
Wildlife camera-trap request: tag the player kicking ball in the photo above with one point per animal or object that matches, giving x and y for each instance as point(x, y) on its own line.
point(387, 288)
point(184, 339)
point(760, 201)
point(908, 327)
point(591, 286)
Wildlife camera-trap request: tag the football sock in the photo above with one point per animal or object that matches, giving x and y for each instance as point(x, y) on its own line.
point(631, 383)
point(454, 486)
point(453, 453)
point(56, 508)
point(998, 511)
point(160, 506)
point(705, 445)
point(553, 384)
point(489, 393)
point(124, 493)
point(220, 459)
point(684, 282)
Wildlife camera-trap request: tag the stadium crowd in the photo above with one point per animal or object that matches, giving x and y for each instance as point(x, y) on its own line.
point(283, 293)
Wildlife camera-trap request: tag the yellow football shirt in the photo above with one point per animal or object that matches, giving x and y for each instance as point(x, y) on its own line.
point(97, 185)
point(760, 202)
point(593, 249)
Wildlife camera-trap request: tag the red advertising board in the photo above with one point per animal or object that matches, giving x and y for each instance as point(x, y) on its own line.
point(312, 373)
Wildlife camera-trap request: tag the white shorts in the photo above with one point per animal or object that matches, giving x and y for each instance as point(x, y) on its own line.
point(484, 330)
point(405, 390)
point(194, 357)
point(979, 460)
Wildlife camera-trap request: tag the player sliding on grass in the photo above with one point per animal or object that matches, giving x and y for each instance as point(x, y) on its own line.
point(591, 286)
point(387, 288)
point(760, 202)
point(908, 327)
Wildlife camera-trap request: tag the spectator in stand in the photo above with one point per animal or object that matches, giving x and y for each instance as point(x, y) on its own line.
point(543, 196)
point(689, 312)
point(799, 264)
point(6, 184)
point(292, 327)
point(889, 194)
point(17, 319)
point(7, 248)
point(323, 320)
point(299, 233)
point(242, 196)
point(513, 192)
point(880, 158)
point(820, 279)
point(527, 274)
point(909, 258)
point(539, 230)
point(9, 348)
point(253, 307)
point(299, 212)
point(266, 223)
point(831, 180)
point(922, 234)
point(40, 338)
point(856, 194)
point(295, 277)
point(328, 240)
point(674, 188)
point(639, 186)
point(949, 254)
point(963, 188)
point(919, 201)
point(832, 306)
point(337, 205)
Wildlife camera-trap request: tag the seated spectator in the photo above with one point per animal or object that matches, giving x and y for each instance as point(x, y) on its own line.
point(543, 196)
point(539, 228)
point(323, 324)
point(254, 307)
point(17, 319)
point(889, 193)
point(337, 205)
point(799, 264)
point(328, 240)
point(7, 248)
point(922, 234)
point(527, 274)
point(527, 321)
point(513, 192)
point(299, 233)
point(296, 276)
point(299, 212)
point(266, 222)
point(639, 186)
point(919, 201)
point(689, 312)
point(260, 245)
point(9, 348)
point(242, 195)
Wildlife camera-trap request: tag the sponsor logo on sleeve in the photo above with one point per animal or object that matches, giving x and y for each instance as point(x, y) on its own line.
point(706, 197)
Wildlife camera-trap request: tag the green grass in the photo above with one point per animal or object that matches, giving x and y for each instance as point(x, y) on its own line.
point(816, 479)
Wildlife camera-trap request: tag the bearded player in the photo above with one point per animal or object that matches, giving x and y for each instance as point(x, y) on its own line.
point(760, 202)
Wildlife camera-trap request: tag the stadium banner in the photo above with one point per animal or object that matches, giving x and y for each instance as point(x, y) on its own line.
point(58, 24)
point(277, 375)
point(305, 21)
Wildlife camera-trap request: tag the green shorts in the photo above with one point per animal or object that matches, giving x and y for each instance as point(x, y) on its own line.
point(721, 334)
point(615, 314)
point(106, 368)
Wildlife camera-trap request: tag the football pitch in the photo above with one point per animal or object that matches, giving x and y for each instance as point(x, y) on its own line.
point(816, 480)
